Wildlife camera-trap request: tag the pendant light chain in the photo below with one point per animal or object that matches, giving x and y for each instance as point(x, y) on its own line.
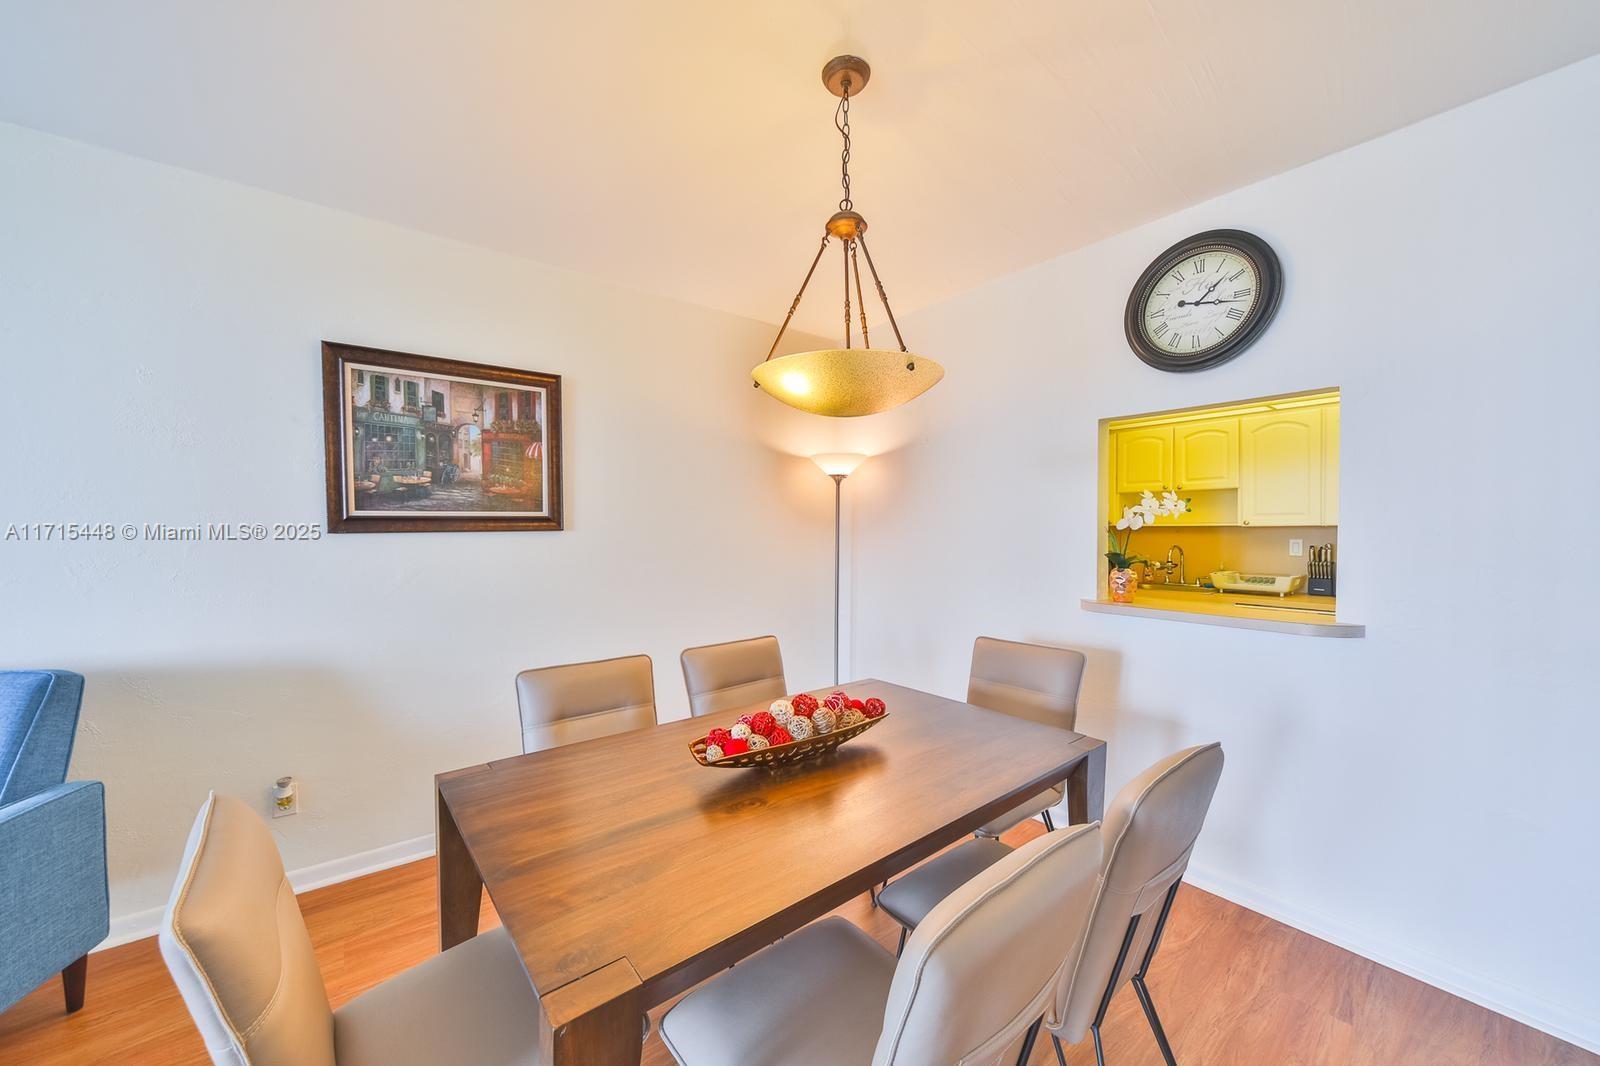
point(841, 121)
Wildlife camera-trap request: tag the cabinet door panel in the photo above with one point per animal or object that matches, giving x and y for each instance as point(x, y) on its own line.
point(1280, 468)
point(1206, 454)
point(1330, 465)
point(1144, 459)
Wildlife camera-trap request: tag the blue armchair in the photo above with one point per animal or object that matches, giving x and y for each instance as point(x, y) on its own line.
point(54, 905)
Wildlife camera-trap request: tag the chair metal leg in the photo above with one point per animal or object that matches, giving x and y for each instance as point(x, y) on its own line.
point(1049, 822)
point(1143, 990)
point(901, 947)
point(1027, 1042)
point(1061, 1056)
point(1111, 987)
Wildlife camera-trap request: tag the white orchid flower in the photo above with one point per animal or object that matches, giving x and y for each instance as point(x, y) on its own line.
point(1132, 518)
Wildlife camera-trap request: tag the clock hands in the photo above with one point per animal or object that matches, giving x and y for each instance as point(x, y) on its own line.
point(1197, 303)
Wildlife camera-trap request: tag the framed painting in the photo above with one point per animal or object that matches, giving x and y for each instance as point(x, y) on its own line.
point(418, 444)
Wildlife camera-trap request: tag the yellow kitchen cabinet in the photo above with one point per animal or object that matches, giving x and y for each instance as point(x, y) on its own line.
point(1144, 459)
point(1330, 465)
point(1206, 455)
point(1280, 468)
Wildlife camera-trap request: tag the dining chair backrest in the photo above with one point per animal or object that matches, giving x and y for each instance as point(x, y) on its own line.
point(1032, 681)
point(984, 964)
point(1149, 833)
point(582, 701)
point(736, 674)
point(238, 950)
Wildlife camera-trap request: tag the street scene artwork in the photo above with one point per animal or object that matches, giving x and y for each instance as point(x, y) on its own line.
point(430, 439)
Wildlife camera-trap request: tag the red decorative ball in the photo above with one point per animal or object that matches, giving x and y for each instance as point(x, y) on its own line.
point(748, 719)
point(780, 735)
point(857, 705)
point(735, 746)
point(804, 704)
point(762, 722)
point(873, 707)
point(719, 737)
point(837, 701)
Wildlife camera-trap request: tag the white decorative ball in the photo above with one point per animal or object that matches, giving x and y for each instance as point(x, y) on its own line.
point(757, 741)
point(740, 732)
point(823, 720)
point(781, 709)
point(799, 728)
point(713, 752)
point(851, 717)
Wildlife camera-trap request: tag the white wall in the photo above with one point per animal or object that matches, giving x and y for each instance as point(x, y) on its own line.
point(1425, 795)
point(160, 337)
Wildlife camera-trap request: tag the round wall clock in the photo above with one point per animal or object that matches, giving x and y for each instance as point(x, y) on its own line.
point(1204, 300)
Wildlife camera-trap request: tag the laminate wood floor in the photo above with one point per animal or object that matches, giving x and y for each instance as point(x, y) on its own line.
point(1232, 986)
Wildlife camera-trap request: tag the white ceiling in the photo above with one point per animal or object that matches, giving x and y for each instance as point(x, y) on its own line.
point(687, 147)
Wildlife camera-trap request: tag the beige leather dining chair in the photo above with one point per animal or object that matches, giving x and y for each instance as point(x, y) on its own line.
point(239, 952)
point(971, 987)
point(582, 701)
point(1149, 833)
point(1032, 681)
point(736, 674)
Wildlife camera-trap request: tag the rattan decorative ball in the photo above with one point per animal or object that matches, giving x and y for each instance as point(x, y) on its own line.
point(824, 720)
point(873, 707)
point(718, 736)
point(757, 741)
point(800, 728)
point(804, 704)
point(851, 717)
point(713, 752)
point(781, 709)
point(781, 735)
point(763, 723)
point(740, 732)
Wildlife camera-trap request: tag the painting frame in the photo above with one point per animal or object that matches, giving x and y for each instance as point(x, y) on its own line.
point(353, 480)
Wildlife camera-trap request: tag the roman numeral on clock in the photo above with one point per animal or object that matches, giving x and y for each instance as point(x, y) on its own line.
point(1158, 314)
point(1236, 274)
point(1239, 294)
point(1159, 330)
point(1177, 275)
point(1194, 342)
point(1199, 266)
point(1236, 314)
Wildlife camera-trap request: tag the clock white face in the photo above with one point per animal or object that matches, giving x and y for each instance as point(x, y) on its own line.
point(1200, 302)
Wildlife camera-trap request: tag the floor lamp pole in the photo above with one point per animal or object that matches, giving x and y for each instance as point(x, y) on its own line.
point(838, 488)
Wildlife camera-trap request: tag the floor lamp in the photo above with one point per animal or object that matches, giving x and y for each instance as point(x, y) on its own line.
point(837, 465)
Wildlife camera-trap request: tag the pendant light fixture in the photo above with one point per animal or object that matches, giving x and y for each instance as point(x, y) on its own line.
point(848, 381)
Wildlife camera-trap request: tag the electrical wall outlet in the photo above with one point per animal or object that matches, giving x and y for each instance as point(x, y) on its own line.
point(1297, 546)
point(285, 797)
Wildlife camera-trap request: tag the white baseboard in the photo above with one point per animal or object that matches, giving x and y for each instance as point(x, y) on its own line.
point(140, 924)
point(1569, 1025)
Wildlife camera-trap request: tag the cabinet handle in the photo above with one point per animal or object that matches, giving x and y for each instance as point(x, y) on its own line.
point(1247, 521)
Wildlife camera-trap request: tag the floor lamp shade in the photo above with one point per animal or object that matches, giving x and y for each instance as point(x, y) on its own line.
point(838, 464)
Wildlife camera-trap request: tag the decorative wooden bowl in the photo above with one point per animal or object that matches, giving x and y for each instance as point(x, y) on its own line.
point(784, 754)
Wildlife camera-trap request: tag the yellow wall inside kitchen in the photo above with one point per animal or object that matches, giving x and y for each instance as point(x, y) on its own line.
point(1248, 550)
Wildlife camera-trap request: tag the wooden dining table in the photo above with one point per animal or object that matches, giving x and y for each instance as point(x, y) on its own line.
point(625, 872)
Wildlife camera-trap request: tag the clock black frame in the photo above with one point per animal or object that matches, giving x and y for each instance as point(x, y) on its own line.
point(1269, 273)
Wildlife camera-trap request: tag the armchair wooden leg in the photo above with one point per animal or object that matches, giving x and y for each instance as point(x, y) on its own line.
point(73, 980)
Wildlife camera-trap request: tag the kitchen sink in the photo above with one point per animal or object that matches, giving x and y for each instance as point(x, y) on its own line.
point(1175, 587)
